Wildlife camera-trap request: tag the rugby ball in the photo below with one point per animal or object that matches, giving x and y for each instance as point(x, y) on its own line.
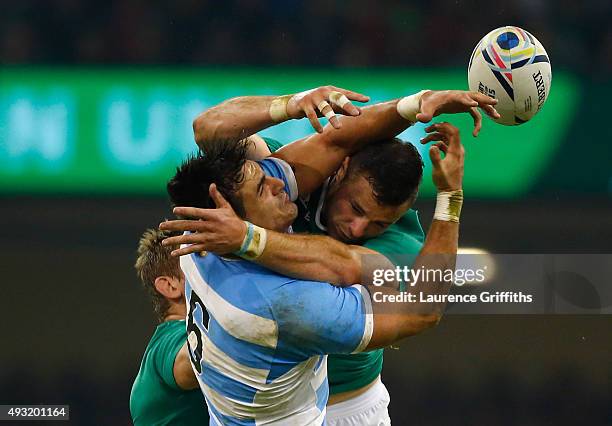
point(511, 65)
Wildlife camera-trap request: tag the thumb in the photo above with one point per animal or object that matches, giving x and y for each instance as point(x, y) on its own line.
point(217, 197)
point(424, 116)
point(434, 156)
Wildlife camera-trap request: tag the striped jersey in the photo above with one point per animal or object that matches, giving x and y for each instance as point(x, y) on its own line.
point(258, 340)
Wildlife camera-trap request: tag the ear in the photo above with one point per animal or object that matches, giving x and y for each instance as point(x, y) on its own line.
point(341, 173)
point(169, 287)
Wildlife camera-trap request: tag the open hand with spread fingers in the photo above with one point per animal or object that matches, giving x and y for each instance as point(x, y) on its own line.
point(434, 103)
point(325, 101)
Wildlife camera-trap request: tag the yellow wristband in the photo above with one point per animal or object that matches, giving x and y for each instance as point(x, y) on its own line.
point(278, 108)
point(448, 206)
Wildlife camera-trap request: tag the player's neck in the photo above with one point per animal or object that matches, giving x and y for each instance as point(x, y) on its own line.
point(175, 312)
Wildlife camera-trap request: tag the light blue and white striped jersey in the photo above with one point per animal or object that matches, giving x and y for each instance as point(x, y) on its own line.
point(258, 340)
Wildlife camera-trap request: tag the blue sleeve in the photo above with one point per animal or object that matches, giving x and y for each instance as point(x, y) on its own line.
point(317, 318)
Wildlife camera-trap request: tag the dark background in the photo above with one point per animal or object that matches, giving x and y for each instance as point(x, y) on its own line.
point(76, 321)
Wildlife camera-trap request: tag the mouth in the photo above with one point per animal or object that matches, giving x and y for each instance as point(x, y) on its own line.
point(343, 235)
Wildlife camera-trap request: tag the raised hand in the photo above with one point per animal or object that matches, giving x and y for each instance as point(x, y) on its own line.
point(434, 103)
point(324, 101)
point(218, 230)
point(447, 172)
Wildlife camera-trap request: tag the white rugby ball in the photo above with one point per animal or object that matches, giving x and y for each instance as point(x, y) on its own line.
point(511, 65)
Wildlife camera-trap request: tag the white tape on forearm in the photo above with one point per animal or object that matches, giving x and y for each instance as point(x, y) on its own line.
point(339, 99)
point(278, 108)
point(448, 206)
point(409, 106)
point(254, 242)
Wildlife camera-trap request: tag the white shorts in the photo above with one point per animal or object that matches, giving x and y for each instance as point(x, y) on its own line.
point(368, 409)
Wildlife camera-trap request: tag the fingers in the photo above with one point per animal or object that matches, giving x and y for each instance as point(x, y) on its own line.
point(434, 156)
point(194, 248)
point(442, 146)
point(490, 111)
point(340, 99)
point(482, 99)
point(477, 120)
point(354, 96)
point(182, 225)
point(217, 197)
point(184, 239)
point(444, 132)
point(486, 103)
point(195, 213)
point(329, 113)
point(436, 136)
point(312, 117)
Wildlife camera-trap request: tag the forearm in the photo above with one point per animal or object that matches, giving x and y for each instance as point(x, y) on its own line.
point(313, 257)
point(235, 118)
point(376, 122)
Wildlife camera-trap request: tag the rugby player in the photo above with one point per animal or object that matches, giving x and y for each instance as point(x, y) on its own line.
point(360, 203)
point(259, 358)
point(165, 390)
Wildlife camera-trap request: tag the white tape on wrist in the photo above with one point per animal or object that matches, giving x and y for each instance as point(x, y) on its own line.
point(339, 99)
point(254, 242)
point(278, 108)
point(448, 206)
point(409, 106)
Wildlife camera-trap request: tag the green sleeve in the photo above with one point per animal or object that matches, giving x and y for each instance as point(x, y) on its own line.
point(165, 350)
point(273, 144)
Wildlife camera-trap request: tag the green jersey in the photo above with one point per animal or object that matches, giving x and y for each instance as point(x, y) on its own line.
point(400, 243)
point(156, 399)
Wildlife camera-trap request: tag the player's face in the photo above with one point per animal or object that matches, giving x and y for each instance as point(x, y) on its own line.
point(354, 215)
point(265, 201)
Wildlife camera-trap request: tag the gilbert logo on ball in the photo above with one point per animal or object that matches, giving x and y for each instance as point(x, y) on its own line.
point(511, 65)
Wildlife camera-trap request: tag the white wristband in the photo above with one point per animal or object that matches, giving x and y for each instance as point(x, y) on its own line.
point(448, 206)
point(409, 106)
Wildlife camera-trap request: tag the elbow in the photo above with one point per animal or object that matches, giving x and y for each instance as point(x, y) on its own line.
point(419, 323)
point(205, 127)
point(430, 320)
point(198, 129)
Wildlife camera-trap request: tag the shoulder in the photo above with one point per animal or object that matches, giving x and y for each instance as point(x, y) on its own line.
point(168, 336)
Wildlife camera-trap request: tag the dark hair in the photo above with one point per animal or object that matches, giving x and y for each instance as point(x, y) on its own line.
point(154, 260)
point(220, 163)
point(394, 169)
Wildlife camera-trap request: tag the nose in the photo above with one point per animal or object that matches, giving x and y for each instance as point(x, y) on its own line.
point(358, 227)
point(276, 185)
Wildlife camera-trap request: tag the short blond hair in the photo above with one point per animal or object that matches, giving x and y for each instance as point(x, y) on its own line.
point(154, 260)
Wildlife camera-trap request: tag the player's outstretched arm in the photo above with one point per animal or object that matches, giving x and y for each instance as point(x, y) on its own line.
point(238, 118)
point(394, 321)
point(318, 156)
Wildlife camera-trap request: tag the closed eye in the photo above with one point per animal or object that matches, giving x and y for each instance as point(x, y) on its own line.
point(261, 184)
point(357, 209)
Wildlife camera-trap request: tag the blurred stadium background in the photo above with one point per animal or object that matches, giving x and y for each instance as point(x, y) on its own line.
point(96, 103)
